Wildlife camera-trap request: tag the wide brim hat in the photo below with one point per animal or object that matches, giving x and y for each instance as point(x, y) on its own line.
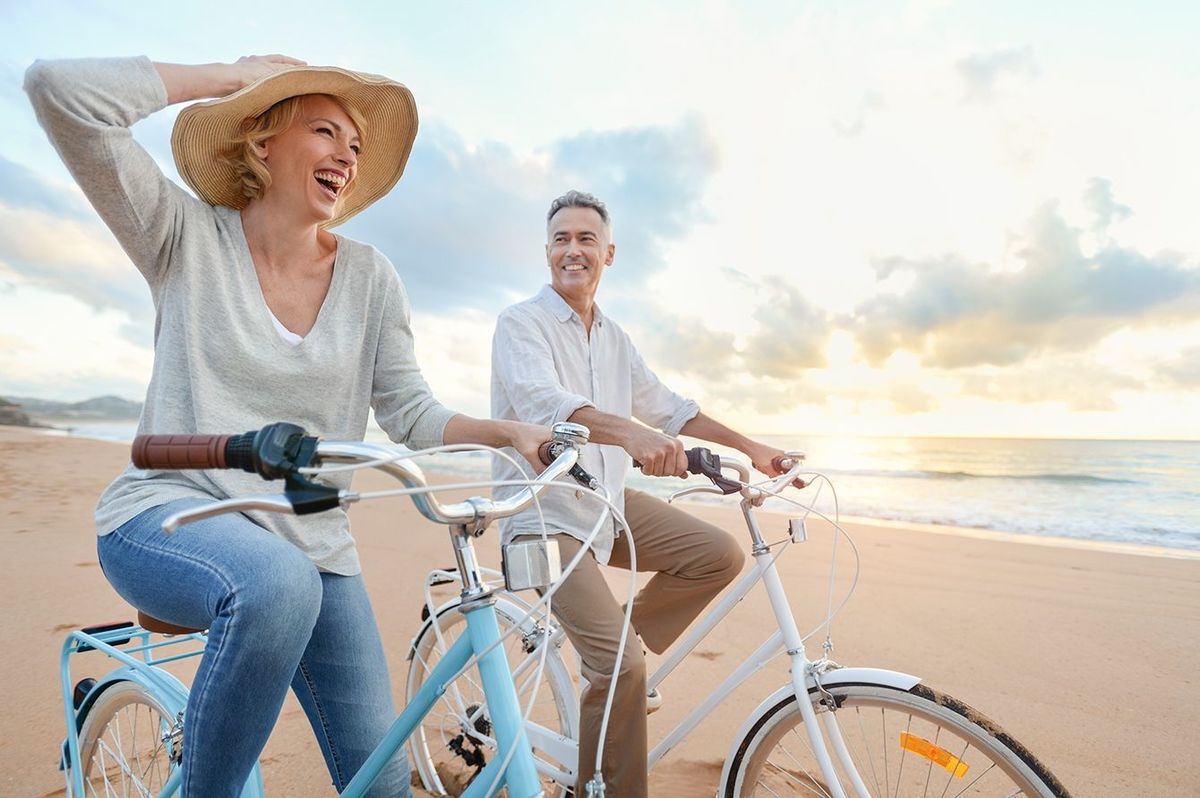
point(205, 132)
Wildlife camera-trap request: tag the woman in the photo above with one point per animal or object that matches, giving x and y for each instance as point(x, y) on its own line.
point(262, 315)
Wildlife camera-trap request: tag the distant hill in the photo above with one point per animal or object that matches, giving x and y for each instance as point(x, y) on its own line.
point(12, 415)
point(101, 408)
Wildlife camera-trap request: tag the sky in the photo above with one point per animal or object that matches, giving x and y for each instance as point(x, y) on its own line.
point(906, 218)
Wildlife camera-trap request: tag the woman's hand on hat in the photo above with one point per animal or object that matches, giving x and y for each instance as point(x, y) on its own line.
point(250, 68)
point(186, 82)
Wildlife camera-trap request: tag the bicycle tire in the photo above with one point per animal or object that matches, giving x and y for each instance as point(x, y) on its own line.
point(950, 749)
point(125, 745)
point(441, 770)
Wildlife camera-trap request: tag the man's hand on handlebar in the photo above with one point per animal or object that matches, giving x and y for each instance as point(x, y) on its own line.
point(767, 460)
point(658, 455)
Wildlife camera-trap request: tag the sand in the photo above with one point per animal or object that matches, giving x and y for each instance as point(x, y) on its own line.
point(1087, 655)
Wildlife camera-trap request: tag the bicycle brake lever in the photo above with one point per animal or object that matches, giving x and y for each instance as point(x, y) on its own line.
point(702, 462)
point(271, 502)
point(697, 489)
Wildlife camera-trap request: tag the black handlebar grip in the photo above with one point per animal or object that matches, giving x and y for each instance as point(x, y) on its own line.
point(163, 452)
point(239, 451)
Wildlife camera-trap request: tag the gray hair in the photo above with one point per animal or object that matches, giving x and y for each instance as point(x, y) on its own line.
point(578, 199)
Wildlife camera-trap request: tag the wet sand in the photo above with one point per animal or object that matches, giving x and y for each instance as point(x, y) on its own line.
point(1086, 655)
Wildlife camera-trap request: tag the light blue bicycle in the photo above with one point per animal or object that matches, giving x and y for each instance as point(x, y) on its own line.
point(126, 729)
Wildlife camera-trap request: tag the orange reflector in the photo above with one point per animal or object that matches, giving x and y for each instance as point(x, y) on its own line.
point(939, 756)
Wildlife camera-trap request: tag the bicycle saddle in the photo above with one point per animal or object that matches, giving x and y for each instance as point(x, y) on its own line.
point(152, 624)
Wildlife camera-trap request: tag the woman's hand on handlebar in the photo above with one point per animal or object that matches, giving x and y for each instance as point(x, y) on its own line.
point(525, 438)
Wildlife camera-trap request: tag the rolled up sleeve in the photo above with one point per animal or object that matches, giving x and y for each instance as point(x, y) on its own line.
point(656, 404)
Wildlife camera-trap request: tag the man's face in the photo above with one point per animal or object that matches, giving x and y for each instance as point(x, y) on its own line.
point(577, 250)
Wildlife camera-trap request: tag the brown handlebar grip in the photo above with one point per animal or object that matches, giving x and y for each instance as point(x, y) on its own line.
point(545, 452)
point(179, 451)
point(781, 462)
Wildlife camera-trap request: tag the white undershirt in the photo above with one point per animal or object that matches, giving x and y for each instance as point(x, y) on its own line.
point(287, 335)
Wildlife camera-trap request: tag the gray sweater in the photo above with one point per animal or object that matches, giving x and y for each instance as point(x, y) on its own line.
point(219, 364)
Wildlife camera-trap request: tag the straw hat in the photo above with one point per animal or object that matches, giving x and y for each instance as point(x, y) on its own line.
point(204, 132)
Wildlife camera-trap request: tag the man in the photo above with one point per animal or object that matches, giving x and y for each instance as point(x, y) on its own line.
point(557, 357)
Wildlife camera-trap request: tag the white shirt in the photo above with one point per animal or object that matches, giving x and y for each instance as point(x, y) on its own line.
point(289, 337)
point(545, 366)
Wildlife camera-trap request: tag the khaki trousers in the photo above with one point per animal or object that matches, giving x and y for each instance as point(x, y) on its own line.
point(694, 562)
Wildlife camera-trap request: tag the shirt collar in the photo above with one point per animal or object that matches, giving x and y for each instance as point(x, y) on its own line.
point(559, 307)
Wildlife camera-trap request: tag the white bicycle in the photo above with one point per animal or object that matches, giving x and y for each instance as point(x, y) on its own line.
point(827, 731)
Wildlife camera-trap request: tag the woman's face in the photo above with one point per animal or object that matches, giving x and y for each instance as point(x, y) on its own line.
point(314, 161)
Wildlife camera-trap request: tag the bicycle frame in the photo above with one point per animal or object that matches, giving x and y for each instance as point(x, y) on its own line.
point(805, 673)
point(520, 776)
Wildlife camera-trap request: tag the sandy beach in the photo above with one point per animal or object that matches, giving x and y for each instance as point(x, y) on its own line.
point(1086, 655)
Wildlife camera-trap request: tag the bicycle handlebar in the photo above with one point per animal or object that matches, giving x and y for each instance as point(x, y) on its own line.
point(281, 449)
point(704, 463)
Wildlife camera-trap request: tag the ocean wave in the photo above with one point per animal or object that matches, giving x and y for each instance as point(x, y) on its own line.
point(1085, 479)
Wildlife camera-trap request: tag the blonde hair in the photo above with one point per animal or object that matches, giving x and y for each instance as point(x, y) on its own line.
point(251, 169)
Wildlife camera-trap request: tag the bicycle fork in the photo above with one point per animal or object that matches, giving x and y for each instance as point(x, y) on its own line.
point(800, 669)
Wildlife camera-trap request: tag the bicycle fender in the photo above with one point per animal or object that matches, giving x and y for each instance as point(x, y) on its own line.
point(174, 698)
point(838, 676)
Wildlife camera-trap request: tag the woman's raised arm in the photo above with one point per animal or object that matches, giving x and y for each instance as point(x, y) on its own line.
point(186, 82)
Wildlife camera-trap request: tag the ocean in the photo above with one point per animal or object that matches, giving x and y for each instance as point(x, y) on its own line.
point(1138, 492)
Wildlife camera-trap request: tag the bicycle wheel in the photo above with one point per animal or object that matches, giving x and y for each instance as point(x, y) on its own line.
point(455, 740)
point(919, 742)
point(125, 746)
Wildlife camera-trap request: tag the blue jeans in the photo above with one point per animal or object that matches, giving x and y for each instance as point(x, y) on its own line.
point(273, 619)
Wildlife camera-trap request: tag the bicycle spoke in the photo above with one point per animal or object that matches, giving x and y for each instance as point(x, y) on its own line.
point(887, 768)
point(929, 767)
point(961, 754)
point(976, 780)
point(801, 766)
point(870, 758)
point(788, 776)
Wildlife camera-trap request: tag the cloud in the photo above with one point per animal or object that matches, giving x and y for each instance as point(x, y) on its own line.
point(766, 372)
point(852, 123)
point(74, 257)
point(981, 73)
point(1083, 386)
point(466, 225)
point(1098, 199)
point(21, 187)
point(958, 314)
point(685, 345)
point(790, 333)
point(1183, 371)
